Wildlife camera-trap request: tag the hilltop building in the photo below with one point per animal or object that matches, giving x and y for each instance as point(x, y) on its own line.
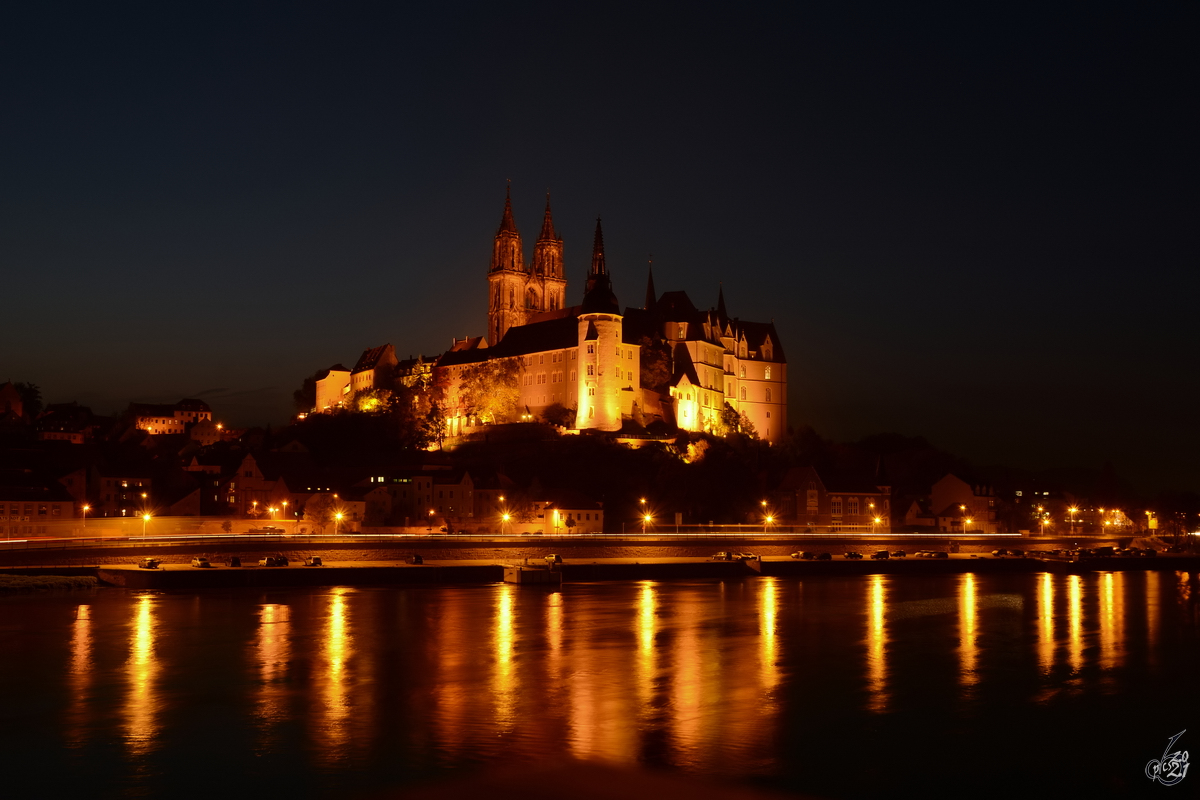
point(582, 365)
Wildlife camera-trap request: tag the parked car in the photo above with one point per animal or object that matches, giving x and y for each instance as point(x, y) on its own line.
point(939, 554)
point(881, 554)
point(802, 554)
point(745, 557)
point(267, 529)
point(722, 556)
point(200, 561)
point(313, 561)
point(273, 561)
point(1105, 552)
point(1149, 551)
point(899, 554)
point(553, 558)
point(852, 554)
point(824, 557)
point(415, 558)
point(1000, 553)
point(149, 563)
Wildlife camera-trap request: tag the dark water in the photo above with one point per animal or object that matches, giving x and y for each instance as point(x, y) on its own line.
point(857, 686)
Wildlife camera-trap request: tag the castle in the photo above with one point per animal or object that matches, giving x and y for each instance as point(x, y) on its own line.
point(589, 357)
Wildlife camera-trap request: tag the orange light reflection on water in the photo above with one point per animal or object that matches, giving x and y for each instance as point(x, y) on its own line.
point(80, 674)
point(141, 701)
point(876, 644)
point(271, 651)
point(968, 623)
point(1045, 641)
point(333, 732)
point(1075, 622)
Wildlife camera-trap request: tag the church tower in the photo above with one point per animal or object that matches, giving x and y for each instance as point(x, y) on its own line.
point(549, 283)
point(506, 278)
point(600, 324)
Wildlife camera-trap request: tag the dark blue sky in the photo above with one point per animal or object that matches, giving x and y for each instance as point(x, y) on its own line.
point(976, 223)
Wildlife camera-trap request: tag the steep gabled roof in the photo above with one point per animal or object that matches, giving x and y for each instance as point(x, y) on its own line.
point(370, 358)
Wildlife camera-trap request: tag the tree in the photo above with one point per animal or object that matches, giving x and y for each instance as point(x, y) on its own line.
point(655, 365)
point(31, 399)
point(227, 526)
point(558, 414)
point(490, 390)
point(319, 511)
point(305, 398)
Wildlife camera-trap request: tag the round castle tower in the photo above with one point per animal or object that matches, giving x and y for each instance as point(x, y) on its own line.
point(600, 332)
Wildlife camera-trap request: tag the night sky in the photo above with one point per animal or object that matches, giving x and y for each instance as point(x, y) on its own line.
point(972, 223)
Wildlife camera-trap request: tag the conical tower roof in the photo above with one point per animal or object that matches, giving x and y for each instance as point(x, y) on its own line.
point(506, 222)
point(547, 224)
point(599, 297)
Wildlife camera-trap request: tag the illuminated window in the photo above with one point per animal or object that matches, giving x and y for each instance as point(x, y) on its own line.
point(591, 349)
point(591, 369)
point(743, 392)
point(835, 506)
point(743, 371)
point(767, 373)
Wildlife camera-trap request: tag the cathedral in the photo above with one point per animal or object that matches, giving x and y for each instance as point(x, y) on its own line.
point(588, 358)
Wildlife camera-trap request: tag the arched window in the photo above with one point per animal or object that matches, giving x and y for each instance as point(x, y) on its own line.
point(743, 392)
point(768, 395)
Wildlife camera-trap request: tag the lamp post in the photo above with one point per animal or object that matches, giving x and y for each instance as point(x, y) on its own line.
point(254, 508)
point(646, 519)
point(962, 511)
point(504, 518)
point(1072, 511)
point(430, 528)
point(337, 523)
point(86, 508)
point(767, 520)
point(285, 514)
point(1042, 519)
point(967, 522)
point(145, 519)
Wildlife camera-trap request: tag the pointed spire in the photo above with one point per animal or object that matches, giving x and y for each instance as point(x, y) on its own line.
point(598, 267)
point(651, 296)
point(598, 297)
point(721, 315)
point(547, 223)
point(506, 222)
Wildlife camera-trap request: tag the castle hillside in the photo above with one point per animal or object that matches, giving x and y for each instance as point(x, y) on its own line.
point(666, 365)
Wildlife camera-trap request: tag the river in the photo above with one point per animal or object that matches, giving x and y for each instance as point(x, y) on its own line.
point(855, 686)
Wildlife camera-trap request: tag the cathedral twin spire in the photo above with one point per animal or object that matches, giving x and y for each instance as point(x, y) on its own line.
point(508, 253)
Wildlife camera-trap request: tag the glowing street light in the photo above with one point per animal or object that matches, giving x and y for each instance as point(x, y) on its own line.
point(504, 518)
point(145, 519)
point(430, 521)
point(646, 520)
point(967, 522)
point(1073, 510)
point(337, 522)
point(86, 508)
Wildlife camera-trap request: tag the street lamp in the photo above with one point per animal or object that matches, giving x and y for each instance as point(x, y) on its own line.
point(285, 512)
point(504, 518)
point(1073, 510)
point(1042, 519)
point(967, 522)
point(430, 529)
point(767, 520)
point(337, 522)
point(145, 519)
point(86, 508)
point(646, 519)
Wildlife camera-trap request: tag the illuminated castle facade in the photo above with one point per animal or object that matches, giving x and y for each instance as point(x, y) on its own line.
point(589, 357)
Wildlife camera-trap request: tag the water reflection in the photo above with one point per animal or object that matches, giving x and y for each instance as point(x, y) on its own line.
point(768, 660)
point(647, 656)
point(1075, 623)
point(272, 651)
point(730, 679)
point(876, 645)
point(1112, 621)
point(1045, 638)
point(80, 674)
point(333, 731)
point(142, 668)
point(504, 681)
point(968, 636)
